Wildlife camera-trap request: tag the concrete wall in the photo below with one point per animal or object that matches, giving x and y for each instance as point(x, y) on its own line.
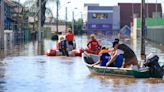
point(61, 28)
point(156, 34)
point(128, 10)
point(116, 18)
point(8, 39)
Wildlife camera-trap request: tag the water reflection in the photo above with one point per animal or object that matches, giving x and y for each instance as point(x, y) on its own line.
point(41, 47)
point(2, 54)
point(2, 77)
point(114, 80)
point(154, 81)
point(123, 84)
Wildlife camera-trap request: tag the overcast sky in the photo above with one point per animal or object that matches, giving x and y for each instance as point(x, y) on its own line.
point(80, 3)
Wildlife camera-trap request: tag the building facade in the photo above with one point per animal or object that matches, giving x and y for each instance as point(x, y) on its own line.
point(15, 20)
point(128, 11)
point(101, 18)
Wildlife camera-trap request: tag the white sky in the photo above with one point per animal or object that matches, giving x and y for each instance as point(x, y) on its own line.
point(80, 3)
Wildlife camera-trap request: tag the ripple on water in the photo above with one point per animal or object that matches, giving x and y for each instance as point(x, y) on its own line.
point(64, 74)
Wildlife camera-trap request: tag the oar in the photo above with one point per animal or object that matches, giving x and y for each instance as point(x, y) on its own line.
point(104, 70)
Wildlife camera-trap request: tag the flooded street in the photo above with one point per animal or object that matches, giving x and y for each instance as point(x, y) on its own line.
point(23, 70)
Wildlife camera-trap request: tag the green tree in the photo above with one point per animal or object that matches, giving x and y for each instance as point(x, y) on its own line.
point(78, 27)
point(31, 5)
point(43, 8)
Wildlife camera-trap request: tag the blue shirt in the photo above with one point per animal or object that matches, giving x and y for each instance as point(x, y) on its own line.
point(104, 59)
point(64, 44)
point(119, 61)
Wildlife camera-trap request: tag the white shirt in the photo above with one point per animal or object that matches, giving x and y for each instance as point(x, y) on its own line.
point(118, 52)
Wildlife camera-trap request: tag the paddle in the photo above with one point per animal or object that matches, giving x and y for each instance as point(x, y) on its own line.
point(104, 70)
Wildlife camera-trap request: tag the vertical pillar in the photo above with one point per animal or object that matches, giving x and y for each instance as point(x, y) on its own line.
point(142, 30)
point(65, 19)
point(156, 9)
point(2, 25)
point(39, 21)
point(73, 22)
point(40, 30)
point(57, 15)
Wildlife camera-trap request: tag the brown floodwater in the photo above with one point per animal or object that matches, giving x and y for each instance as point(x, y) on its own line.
point(23, 70)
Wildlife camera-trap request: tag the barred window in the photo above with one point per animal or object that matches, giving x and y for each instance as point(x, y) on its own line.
point(100, 15)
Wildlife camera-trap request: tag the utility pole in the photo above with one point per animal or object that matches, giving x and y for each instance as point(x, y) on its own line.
point(147, 9)
point(17, 23)
point(73, 21)
point(143, 30)
point(40, 29)
point(156, 9)
point(39, 21)
point(57, 15)
point(2, 25)
point(66, 19)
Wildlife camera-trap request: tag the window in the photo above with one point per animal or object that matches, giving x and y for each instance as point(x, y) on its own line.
point(100, 15)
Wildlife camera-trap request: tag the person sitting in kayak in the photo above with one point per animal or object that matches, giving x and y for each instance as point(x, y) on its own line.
point(122, 51)
point(104, 57)
point(70, 38)
point(93, 45)
point(63, 46)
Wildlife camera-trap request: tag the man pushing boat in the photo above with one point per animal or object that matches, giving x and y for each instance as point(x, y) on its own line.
point(127, 53)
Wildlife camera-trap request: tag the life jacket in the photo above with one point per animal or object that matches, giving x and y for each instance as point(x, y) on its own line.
point(69, 37)
point(104, 51)
point(58, 45)
point(93, 45)
point(63, 44)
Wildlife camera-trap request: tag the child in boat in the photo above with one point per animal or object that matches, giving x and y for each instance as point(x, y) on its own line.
point(93, 45)
point(63, 46)
point(104, 57)
point(122, 51)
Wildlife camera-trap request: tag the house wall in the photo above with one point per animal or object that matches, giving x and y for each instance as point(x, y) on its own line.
point(109, 23)
point(154, 32)
point(130, 10)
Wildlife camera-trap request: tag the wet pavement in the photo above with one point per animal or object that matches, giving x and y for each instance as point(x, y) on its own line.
point(23, 70)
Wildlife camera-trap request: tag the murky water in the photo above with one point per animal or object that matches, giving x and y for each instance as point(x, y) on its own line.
point(25, 71)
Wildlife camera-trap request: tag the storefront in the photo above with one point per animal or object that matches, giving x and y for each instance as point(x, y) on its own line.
point(101, 19)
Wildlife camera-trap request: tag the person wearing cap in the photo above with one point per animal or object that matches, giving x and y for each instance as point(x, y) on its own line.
point(70, 37)
point(121, 51)
point(93, 45)
point(104, 57)
point(63, 46)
